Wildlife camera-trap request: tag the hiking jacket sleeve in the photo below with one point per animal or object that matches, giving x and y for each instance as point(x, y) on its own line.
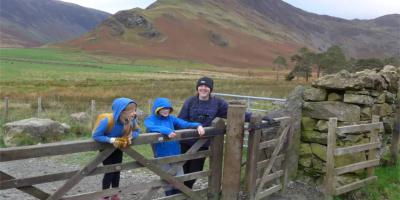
point(223, 111)
point(152, 127)
point(99, 133)
point(137, 131)
point(180, 123)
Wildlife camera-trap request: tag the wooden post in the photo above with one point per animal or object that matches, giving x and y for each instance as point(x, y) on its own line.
point(252, 158)
point(248, 104)
point(394, 148)
point(39, 106)
point(217, 148)
point(330, 158)
point(372, 152)
point(92, 113)
point(5, 114)
point(233, 151)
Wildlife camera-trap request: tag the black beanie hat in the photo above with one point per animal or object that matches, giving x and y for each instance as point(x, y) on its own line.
point(205, 81)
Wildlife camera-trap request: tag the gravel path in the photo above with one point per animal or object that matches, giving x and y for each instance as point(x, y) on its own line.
point(42, 166)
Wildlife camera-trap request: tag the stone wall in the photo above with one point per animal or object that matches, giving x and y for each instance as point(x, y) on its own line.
point(353, 99)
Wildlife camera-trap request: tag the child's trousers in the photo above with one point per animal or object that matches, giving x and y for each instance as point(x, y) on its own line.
point(112, 179)
point(169, 189)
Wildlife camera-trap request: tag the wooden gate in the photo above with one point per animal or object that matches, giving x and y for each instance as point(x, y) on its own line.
point(27, 184)
point(332, 172)
point(265, 169)
point(261, 169)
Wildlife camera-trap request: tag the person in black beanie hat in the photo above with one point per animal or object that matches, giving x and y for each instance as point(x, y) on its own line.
point(202, 108)
point(205, 81)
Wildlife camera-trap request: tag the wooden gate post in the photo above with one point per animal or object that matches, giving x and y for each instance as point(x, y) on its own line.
point(233, 151)
point(394, 149)
point(39, 106)
point(217, 149)
point(252, 158)
point(5, 117)
point(92, 113)
point(330, 158)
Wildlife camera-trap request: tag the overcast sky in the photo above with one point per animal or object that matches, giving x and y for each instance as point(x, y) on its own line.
point(348, 9)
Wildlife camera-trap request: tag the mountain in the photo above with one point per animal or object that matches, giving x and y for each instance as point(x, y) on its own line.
point(29, 23)
point(236, 32)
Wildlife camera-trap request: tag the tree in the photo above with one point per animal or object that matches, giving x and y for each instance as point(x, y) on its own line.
point(331, 61)
point(303, 61)
point(279, 62)
point(395, 61)
point(369, 63)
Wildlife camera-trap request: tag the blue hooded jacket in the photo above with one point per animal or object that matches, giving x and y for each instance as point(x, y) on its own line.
point(101, 134)
point(165, 126)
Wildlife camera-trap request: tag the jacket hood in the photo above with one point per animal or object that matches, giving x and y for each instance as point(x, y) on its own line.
point(119, 105)
point(161, 103)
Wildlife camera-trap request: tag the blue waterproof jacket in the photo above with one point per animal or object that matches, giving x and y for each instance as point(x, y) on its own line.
point(100, 134)
point(165, 126)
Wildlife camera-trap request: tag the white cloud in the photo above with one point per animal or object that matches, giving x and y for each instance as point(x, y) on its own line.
point(349, 9)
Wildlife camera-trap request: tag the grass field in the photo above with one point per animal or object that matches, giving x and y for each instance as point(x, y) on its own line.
point(68, 80)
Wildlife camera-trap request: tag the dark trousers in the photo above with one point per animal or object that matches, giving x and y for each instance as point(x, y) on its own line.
point(191, 166)
point(112, 179)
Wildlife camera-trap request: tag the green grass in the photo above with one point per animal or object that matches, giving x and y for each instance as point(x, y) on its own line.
point(68, 80)
point(387, 186)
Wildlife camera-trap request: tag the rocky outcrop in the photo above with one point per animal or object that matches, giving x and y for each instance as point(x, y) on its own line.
point(131, 19)
point(33, 131)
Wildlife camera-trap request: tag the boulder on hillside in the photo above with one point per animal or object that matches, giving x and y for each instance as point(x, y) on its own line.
point(33, 131)
point(80, 117)
point(392, 75)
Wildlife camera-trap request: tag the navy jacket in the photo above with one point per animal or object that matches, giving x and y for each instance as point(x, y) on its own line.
point(165, 126)
point(204, 112)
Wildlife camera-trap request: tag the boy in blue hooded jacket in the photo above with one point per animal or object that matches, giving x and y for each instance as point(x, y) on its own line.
point(123, 130)
point(162, 122)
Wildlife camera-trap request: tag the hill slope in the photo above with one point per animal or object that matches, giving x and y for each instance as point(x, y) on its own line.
point(28, 23)
point(235, 32)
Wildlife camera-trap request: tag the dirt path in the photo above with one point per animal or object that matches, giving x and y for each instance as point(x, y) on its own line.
point(42, 166)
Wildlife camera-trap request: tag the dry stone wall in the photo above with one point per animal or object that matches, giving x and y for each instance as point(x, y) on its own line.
point(352, 98)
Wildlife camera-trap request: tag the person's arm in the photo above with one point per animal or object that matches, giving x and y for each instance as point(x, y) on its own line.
point(180, 123)
point(247, 116)
point(184, 113)
point(223, 110)
point(136, 132)
point(99, 134)
point(151, 127)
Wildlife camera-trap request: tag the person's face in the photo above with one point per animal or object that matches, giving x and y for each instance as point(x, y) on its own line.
point(128, 113)
point(164, 112)
point(203, 91)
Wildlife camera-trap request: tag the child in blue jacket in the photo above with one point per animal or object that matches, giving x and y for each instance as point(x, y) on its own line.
point(163, 122)
point(124, 128)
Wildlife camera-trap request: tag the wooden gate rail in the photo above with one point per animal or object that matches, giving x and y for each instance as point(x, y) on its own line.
point(332, 151)
point(214, 133)
point(257, 172)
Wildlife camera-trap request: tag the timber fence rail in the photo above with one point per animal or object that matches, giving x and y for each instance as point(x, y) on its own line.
point(26, 184)
point(332, 172)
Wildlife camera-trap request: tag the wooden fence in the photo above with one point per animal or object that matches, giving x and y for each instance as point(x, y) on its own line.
point(332, 151)
point(215, 134)
point(217, 185)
